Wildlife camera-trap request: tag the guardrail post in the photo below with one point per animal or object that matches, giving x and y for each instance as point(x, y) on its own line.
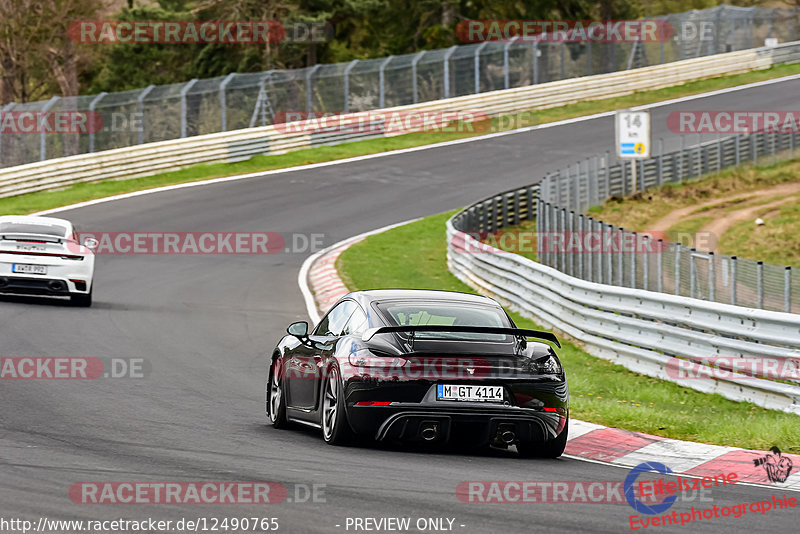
point(787, 290)
point(414, 76)
point(733, 280)
point(347, 70)
point(712, 279)
point(140, 109)
point(678, 248)
point(446, 62)
point(309, 73)
point(184, 111)
point(660, 267)
point(477, 62)
point(382, 82)
point(223, 102)
point(42, 129)
point(92, 107)
point(760, 283)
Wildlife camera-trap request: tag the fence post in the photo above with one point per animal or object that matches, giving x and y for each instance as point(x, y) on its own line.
point(633, 260)
point(506, 81)
point(760, 283)
point(42, 129)
point(680, 162)
point(733, 280)
point(531, 213)
point(382, 82)
point(562, 229)
point(477, 61)
point(787, 290)
point(738, 139)
point(712, 279)
point(414, 76)
point(540, 221)
point(692, 273)
point(645, 260)
point(772, 136)
point(347, 70)
point(563, 60)
point(184, 110)
point(446, 64)
point(140, 109)
point(660, 161)
point(584, 240)
point(92, 107)
point(580, 252)
point(620, 269)
point(309, 73)
point(609, 259)
point(719, 154)
point(607, 177)
point(223, 103)
point(589, 69)
point(678, 248)
point(660, 267)
point(535, 62)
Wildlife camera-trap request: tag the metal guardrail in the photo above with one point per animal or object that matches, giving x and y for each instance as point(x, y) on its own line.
point(237, 101)
point(644, 331)
point(148, 159)
point(647, 262)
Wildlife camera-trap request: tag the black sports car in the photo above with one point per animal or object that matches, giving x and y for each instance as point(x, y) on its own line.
point(431, 366)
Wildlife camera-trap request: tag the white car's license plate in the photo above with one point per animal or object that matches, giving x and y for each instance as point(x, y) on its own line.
point(28, 269)
point(471, 393)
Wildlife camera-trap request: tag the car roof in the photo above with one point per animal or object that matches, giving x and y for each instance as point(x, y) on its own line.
point(430, 295)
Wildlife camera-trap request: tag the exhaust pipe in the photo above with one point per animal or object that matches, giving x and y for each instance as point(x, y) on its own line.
point(56, 285)
point(429, 431)
point(506, 434)
point(508, 437)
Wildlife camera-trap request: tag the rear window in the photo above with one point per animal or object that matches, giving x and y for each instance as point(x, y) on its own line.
point(411, 313)
point(33, 228)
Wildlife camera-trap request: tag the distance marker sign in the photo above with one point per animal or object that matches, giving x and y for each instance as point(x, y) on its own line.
point(633, 134)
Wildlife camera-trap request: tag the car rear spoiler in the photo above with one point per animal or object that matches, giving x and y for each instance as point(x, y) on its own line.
point(45, 238)
point(547, 336)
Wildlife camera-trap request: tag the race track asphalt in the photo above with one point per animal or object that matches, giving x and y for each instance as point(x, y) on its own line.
point(205, 324)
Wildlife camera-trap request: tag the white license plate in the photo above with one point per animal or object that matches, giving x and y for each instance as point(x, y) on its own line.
point(471, 393)
point(28, 269)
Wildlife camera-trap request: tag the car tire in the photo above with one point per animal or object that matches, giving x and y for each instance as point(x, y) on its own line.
point(548, 449)
point(275, 399)
point(81, 300)
point(335, 428)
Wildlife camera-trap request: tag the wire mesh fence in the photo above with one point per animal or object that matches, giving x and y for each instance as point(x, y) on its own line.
point(158, 113)
point(590, 249)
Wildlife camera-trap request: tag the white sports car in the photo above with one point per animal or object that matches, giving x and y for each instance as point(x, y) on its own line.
point(42, 256)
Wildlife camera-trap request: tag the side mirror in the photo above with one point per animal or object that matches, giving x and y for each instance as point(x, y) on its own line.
point(298, 330)
point(90, 243)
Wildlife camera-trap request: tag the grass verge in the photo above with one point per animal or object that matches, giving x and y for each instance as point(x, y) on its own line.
point(601, 392)
point(31, 202)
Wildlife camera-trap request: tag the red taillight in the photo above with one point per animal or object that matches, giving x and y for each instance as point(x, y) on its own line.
point(373, 403)
point(74, 281)
point(554, 410)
